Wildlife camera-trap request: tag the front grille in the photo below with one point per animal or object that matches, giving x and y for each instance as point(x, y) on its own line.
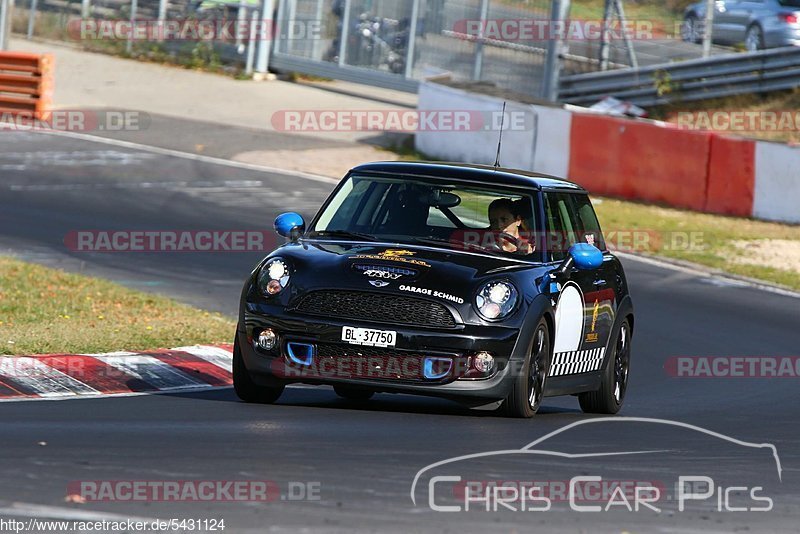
point(375, 307)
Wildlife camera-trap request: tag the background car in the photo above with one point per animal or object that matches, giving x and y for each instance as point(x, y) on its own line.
point(758, 24)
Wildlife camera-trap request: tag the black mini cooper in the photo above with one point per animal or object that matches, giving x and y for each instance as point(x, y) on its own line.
point(488, 286)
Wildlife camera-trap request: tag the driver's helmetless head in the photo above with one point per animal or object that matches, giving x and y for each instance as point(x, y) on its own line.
point(501, 215)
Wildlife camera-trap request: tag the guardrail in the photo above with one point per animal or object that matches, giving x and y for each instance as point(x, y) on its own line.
point(26, 83)
point(697, 79)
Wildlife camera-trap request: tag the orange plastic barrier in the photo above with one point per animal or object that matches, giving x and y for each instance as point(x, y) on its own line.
point(639, 160)
point(26, 83)
point(731, 176)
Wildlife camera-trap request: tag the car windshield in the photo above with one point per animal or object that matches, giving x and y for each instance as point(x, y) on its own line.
point(789, 3)
point(435, 213)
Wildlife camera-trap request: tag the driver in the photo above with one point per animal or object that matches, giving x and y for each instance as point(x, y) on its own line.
point(506, 217)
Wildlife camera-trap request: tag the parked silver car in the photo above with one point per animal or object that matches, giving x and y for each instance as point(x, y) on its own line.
point(758, 24)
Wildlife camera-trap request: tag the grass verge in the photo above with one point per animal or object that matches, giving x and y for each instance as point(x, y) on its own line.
point(778, 102)
point(45, 310)
point(755, 249)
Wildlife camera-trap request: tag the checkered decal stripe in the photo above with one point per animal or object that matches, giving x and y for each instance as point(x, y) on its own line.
point(576, 362)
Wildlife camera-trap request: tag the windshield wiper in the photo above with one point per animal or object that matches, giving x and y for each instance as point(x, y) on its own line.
point(344, 234)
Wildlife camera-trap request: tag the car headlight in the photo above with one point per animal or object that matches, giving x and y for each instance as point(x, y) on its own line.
point(495, 300)
point(273, 277)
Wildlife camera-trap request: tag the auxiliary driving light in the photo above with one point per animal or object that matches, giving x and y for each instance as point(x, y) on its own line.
point(483, 362)
point(267, 339)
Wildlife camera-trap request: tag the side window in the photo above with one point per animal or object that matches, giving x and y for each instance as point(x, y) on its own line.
point(587, 226)
point(561, 232)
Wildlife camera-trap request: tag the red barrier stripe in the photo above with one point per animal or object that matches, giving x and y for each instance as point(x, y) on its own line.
point(639, 160)
point(731, 176)
point(194, 366)
point(96, 374)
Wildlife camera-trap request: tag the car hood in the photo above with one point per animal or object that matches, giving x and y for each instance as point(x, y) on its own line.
point(449, 275)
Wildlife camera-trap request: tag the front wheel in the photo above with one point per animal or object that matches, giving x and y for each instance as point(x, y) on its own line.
point(528, 390)
point(243, 384)
point(754, 39)
point(609, 398)
point(690, 31)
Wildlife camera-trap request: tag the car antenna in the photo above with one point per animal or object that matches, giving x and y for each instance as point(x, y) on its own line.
point(500, 141)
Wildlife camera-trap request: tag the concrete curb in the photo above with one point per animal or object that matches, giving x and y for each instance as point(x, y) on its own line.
point(70, 376)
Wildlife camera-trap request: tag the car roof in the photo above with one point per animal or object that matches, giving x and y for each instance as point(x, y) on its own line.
point(470, 172)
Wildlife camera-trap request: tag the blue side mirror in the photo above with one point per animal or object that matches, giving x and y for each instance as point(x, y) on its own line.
point(290, 225)
point(586, 257)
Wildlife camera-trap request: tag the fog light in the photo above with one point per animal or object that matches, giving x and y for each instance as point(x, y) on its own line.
point(267, 339)
point(483, 362)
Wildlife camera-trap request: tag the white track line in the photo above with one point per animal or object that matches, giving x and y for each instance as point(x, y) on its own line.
point(699, 271)
point(190, 156)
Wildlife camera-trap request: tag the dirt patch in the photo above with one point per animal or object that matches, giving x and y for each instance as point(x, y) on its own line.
point(782, 254)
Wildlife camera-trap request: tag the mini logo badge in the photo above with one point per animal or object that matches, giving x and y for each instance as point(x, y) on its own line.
point(379, 283)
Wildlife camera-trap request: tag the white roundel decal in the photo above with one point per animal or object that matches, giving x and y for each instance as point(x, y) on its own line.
point(569, 319)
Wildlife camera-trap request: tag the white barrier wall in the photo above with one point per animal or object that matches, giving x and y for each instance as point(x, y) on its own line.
point(535, 138)
point(542, 144)
point(551, 155)
point(480, 145)
point(777, 182)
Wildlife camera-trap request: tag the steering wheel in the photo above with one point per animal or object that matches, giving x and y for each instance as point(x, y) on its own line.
point(505, 236)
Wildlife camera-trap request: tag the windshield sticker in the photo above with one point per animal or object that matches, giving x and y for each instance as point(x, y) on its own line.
point(397, 255)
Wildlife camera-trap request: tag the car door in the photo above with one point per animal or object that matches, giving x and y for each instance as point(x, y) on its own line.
point(601, 293)
point(745, 12)
point(585, 305)
point(725, 13)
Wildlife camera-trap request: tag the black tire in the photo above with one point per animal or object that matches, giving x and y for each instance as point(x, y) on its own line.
point(690, 32)
point(244, 386)
point(754, 38)
point(611, 395)
point(353, 393)
point(527, 392)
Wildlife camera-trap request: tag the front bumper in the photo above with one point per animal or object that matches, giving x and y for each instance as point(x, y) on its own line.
point(269, 367)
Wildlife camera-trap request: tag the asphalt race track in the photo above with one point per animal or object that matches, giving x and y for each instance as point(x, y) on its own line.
point(364, 458)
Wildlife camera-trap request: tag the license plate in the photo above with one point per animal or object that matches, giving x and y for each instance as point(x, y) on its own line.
point(368, 336)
